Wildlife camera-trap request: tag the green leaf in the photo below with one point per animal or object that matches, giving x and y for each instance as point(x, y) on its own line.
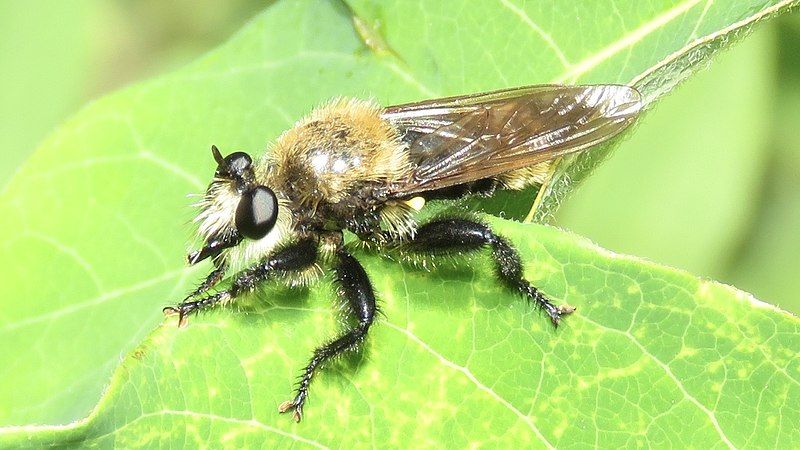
point(34, 99)
point(652, 357)
point(653, 46)
point(95, 222)
point(767, 262)
point(704, 175)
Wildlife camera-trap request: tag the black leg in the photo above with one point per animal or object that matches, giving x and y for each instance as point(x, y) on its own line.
point(216, 275)
point(354, 286)
point(214, 247)
point(294, 258)
point(448, 236)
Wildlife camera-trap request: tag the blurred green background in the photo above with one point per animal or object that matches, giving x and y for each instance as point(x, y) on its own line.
point(710, 181)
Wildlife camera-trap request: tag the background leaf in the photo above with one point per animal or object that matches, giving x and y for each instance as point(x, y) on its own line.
point(99, 209)
point(710, 163)
point(766, 260)
point(111, 43)
point(653, 357)
point(722, 183)
point(28, 59)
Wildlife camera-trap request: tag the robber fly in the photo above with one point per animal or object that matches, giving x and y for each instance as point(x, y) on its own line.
point(353, 166)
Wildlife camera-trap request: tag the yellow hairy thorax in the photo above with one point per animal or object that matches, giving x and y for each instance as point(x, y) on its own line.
point(336, 146)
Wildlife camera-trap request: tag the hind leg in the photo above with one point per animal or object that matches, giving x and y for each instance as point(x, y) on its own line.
point(453, 236)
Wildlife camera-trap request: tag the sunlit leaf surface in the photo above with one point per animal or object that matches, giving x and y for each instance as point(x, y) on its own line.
point(95, 226)
point(652, 357)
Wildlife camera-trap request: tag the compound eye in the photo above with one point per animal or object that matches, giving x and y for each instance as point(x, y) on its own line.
point(234, 165)
point(257, 212)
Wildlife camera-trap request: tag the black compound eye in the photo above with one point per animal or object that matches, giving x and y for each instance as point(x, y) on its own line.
point(257, 212)
point(234, 165)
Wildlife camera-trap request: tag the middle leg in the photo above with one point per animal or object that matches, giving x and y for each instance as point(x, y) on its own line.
point(356, 289)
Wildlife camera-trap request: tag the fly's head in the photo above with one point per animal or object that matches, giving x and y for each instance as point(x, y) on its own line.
point(239, 215)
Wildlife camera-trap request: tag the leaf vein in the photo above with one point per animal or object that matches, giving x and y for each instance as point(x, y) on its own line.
point(446, 362)
point(709, 413)
point(627, 41)
point(102, 298)
point(546, 37)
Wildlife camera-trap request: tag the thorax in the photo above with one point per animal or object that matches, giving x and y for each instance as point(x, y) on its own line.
point(333, 165)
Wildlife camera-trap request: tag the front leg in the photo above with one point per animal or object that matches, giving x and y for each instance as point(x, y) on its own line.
point(293, 258)
point(216, 275)
point(213, 249)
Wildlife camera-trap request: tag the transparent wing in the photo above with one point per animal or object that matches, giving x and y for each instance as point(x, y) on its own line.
point(457, 140)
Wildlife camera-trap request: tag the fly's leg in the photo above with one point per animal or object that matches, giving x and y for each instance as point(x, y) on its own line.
point(294, 258)
point(216, 275)
point(356, 289)
point(450, 236)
